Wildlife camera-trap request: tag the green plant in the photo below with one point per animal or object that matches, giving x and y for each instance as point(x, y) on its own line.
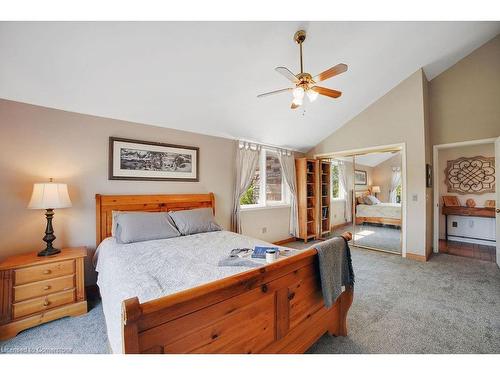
point(335, 181)
point(248, 196)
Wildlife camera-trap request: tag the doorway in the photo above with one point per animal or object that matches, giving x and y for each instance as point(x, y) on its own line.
point(465, 199)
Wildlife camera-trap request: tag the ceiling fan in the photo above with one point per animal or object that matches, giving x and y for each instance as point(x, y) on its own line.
point(304, 82)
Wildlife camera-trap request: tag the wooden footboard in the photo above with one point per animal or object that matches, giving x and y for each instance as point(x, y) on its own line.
point(378, 220)
point(273, 309)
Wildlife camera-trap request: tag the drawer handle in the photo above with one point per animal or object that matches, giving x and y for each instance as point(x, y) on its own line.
point(46, 303)
point(46, 287)
point(46, 272)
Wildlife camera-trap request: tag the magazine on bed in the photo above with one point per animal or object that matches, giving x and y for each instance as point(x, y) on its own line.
point(260, 251)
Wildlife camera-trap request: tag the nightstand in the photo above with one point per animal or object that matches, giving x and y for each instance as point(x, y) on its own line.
point(36, 290)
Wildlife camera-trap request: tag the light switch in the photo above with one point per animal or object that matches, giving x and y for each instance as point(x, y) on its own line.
point(414, 197)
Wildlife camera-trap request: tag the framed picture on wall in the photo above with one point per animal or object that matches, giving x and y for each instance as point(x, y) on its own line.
point(360, 177)
point(152, 161)
point(428, 175)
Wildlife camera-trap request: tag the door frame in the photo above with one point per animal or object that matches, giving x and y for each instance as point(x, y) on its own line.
point(435, 181)
point(382, 148)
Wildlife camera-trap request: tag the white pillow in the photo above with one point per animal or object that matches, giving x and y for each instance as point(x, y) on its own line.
point(371, 200)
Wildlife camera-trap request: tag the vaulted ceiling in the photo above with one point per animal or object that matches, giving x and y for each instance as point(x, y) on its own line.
point(204, 76)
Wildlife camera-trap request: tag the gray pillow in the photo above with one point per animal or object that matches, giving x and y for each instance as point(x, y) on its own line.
point(144, 226)
point(114, 216)
point(199, 220)
point(371, 200)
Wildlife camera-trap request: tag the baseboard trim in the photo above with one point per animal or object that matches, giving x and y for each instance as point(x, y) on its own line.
point(285, 241)
point(337, 226)
point(420, 258)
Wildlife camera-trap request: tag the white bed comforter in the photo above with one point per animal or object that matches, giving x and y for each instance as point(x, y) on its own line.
point(385, 210)
point(153, 269)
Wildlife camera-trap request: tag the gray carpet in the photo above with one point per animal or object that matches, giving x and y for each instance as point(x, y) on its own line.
point(85, 334)
point(447, 305)
point(384, 237)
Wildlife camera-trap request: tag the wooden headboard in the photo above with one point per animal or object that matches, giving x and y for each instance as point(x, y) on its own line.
point(106, 204)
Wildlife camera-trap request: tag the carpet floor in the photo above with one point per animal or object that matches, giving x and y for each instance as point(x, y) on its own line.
point(383, 237)
point(447, 305)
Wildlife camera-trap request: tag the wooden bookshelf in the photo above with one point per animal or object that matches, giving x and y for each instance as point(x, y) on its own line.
point(325, 198)
point(308, 197)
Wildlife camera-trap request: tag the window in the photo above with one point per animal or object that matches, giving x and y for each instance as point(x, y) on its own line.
point(268, 186)
point(337, 192)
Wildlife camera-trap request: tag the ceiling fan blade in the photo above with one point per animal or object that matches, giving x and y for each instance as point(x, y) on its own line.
point(327, 92)
point(294, 106)
point(274, 92)
point(287, 73)
point(329, 73)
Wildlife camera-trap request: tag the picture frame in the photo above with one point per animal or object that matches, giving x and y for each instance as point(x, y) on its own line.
point(131, 159)
point(360, 177)
point(428, 175)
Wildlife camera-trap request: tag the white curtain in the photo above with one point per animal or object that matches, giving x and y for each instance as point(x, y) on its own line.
point(345, 184)
point(287, 162)
point(247, 159)
point(395, 182)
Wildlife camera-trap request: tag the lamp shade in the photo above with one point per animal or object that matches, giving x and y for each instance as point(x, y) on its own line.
point(49, 195)
point(375, 189)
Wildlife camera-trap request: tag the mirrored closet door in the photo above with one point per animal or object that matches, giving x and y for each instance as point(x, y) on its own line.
point(377, 197)
point(342, 187)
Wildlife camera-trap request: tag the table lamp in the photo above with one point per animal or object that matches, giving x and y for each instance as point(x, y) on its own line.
point(375, 190)
point(48, 196)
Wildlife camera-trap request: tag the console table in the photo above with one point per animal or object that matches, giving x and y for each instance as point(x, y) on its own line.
point(467, 211)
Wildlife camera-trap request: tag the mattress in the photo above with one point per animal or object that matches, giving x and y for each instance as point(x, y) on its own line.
point(382, 210)
point(152, 269)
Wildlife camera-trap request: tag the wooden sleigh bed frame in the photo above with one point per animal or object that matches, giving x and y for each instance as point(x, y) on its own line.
point(277, 308)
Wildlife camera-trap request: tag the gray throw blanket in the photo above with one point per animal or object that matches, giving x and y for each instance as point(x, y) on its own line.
point(335, 268)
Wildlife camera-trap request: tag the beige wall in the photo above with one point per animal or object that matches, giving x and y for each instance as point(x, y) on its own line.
point(397, 117)
point(463, 102)
point(382, 175)
point(446, 154)
point(429, 192)
point(267, 224)
point(37, 143)
point(465, 99)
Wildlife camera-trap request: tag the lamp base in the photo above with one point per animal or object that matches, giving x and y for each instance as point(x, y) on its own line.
point(49, 236)
point(48, 252)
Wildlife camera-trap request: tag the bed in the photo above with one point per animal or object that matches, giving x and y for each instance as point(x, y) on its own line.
point(168, 296)
point(382, 213)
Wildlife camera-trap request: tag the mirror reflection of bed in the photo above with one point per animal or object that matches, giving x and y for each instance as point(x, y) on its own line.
point(374, 186)
point(378, 224)
point(377, 203)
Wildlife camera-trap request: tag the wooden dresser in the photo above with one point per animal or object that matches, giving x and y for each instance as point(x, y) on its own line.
point(36, 290)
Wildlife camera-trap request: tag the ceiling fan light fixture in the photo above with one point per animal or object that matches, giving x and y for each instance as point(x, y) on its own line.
point(304, 83)
point(297, 101)
point(312, 95)
point(298, 93)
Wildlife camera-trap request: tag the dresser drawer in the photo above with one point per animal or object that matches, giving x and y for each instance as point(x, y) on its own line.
point(35, 305)
point(43, 272)
point(42, 288)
